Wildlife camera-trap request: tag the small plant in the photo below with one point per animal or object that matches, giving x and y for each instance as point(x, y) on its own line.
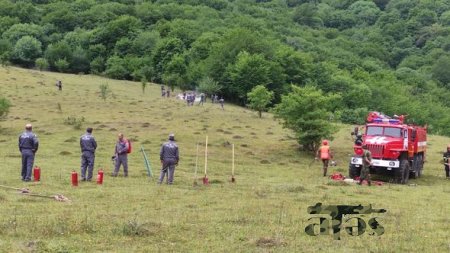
point(74, 121)
point(135, 228)
point(144, 84)
point(104, 91)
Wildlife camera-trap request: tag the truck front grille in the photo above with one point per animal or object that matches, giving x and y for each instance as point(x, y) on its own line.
point(376, 150)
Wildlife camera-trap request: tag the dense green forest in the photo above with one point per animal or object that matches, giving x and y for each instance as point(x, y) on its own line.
point(386, 55)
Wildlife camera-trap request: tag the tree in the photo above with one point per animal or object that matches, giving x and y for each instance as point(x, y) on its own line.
point(62, 65)
point(27, 50)
point(259, 98)
point(440, 70)
point(208, 86)
point(248, 71)
point(41, 63)
point(305, 110)
point(104, 91)
point(4, 107)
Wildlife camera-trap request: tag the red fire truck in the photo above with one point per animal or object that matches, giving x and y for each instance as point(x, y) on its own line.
point(398, 149)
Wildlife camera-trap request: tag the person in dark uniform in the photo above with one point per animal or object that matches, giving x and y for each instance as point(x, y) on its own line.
point(169, 157)
point(28, 146)
point(121, 156)
point(358, 140)
point(446, 157)
point(366, 162)
point(88, 146)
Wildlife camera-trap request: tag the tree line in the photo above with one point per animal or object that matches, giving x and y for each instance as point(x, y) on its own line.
point(353, 56)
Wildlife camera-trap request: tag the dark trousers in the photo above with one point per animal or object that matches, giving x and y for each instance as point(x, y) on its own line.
point(168, 168)
point(447, 171)
point(365, 175)
point(121, 159)
point(325, 166)
point(87, 162)
point(27, 164)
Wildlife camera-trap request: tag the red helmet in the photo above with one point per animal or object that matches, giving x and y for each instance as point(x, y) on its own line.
point(325, 142)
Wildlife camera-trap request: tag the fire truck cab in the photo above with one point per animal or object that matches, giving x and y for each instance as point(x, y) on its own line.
point(397, 149)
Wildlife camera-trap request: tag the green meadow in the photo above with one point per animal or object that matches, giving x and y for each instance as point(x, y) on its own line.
point(265, 210)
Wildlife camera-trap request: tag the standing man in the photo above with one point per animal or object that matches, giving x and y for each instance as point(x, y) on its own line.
point(121, 156)
point(221, 101)
point(202, 99)
point(446, 157)
point(88, 146)
point(28, 146)
point(367, 162)
point(169, 157)
point(324, 153)
point(59, 84)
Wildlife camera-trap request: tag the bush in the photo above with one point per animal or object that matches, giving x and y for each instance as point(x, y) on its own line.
point(62, 65)
point(41, 64)
point(4, 107)
point(74, 121)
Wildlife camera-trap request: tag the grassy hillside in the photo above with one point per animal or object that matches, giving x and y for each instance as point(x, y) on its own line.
point(265, 211)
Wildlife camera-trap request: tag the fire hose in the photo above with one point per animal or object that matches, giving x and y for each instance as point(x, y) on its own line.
point(26, 191)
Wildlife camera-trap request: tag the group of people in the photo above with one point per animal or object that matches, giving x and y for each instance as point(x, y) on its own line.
point(29, 144)
point(165, 93)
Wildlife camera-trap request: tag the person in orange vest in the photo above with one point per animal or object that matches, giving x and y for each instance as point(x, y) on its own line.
point(324, 153)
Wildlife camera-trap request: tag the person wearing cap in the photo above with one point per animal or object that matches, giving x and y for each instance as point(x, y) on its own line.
point(88, 146)
point(121, 156)
point(28, 146)
point(324, 153)
point(169, 157)
point(358, 140)
point(446, 157)
point(366, 162)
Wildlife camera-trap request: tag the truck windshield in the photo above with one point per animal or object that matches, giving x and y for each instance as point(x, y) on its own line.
point(392, 131)
point(373, 130)
point(385, 131)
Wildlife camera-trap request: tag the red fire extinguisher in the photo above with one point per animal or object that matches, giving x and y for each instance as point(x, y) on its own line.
point(37, 173)
point(74, 178)
point(100, 177)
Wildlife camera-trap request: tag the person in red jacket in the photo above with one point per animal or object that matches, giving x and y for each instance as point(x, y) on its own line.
point(324, 153)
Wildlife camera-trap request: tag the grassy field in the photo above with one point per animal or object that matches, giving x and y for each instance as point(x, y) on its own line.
point(264, 211)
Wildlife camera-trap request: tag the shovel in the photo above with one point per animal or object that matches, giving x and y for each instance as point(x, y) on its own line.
point(232, 166)
point(205, 179)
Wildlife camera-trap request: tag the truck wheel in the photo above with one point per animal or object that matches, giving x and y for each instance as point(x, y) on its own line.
point(420, 162)
point(415, 167)
point(353, 171)
point(402, 173)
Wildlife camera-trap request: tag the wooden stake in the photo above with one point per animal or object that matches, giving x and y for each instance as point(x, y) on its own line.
point(232, 165)
point(196, 162)
point(205, 179)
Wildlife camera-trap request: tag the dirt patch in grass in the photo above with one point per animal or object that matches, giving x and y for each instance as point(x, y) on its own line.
point(112, 129)
point(264, 162)
point(219, 130)
point(237, 137)
point(65, 153)
point(216, 181)
point(269, 133)
point(227, 132)
point(146, 124)
point(71, 139)
point(146, 142)
point(244, 145)
point(269, 242)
